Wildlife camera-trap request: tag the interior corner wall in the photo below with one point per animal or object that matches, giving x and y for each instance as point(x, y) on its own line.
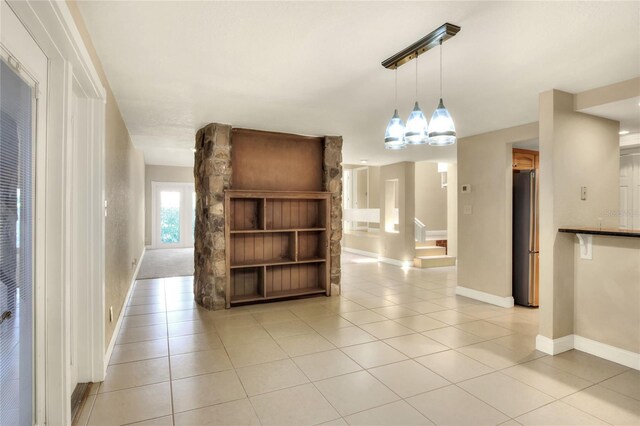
point(124, 193)
point(484, 231)
point(401, 245)
point(160, 174)
point(431, 198)
point(452, 209)
point(576, 150)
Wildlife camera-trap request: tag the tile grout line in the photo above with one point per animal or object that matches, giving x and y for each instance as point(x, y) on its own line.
point(173, 414)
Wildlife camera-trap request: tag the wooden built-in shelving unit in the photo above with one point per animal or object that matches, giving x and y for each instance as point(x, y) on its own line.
point(277, 244)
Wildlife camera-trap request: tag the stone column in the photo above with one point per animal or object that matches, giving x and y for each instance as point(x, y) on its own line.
point(212, 173)
point(332, 182)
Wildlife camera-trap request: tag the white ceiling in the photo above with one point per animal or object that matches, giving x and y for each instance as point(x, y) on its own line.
point(314, 67)
point(627, 112)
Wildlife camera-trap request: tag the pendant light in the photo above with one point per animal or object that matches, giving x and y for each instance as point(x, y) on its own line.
point(416, 131)
point(394, 136)
point(442, 131)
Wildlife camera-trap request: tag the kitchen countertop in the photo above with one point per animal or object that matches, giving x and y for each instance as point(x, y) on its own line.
point(612, 232)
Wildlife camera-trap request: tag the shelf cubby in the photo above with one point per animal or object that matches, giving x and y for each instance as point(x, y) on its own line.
point(294, 213)
point(247, 214)
point(247, 284)
point(262, 248)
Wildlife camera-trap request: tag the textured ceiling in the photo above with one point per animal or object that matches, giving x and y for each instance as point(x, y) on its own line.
point(314, 67)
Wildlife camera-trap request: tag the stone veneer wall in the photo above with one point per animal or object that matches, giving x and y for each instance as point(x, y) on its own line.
point(212, 173)
point(332, 182)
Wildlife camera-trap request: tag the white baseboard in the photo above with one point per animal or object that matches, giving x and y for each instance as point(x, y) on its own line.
point(116, 330)
point(608, 352)
point(503, 302)
point(396, 262)
point(360, 252)
point(554, 346)
point(593, 347)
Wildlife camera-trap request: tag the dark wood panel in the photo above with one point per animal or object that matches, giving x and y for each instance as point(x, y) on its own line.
point(288, 278)
point(246, 214)
point(291, 214)
point(309, 245)
point(262, 248)
point(246, 282)
point(275, 161)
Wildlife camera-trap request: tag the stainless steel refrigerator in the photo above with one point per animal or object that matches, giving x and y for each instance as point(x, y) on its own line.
point(525, 237)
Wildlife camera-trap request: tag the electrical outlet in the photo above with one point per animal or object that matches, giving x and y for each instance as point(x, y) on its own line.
point(110, 313)
point(467, 209)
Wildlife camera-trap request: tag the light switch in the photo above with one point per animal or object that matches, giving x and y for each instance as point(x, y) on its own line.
point(466, 188)
point(467, 209)
point(583, 193)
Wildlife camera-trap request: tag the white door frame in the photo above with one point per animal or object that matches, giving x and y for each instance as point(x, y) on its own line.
point(630, 182)
point(24, 56)
point(185, 206)
point(52, 26)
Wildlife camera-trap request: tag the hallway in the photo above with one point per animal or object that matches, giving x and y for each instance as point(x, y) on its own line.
point(398, 347)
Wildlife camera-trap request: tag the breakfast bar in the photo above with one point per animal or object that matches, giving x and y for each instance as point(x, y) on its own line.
point(607, 291)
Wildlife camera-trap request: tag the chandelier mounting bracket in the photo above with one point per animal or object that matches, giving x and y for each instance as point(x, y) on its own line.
point(431, 40)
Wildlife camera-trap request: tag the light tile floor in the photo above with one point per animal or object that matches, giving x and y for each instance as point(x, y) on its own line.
point(398, 347)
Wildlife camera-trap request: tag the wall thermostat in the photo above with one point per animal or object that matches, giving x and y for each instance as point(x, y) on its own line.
point(465, 188)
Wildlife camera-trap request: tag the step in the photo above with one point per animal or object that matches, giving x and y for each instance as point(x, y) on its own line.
point(430, 251)
point(434, 261)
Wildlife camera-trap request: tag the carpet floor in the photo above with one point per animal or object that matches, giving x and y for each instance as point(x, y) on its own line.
point(164, 263)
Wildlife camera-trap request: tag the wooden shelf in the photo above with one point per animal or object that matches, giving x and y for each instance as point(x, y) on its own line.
point(293, 293)
point(266, 231)
point(277, 295)
point(247, 298)
point(277, 263)
point(278, 245)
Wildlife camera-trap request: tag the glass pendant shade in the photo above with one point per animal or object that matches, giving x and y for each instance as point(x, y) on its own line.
point(394, 136)
point(442, 131)
point(415, 133)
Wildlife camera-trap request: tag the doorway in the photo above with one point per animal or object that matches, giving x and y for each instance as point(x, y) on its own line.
point(525, 228)
point(173, 220)
point(630, 190)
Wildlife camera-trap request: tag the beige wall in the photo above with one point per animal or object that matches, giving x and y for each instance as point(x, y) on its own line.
point(607, 292)
point(575, 150)
point(124, 192)
point(484, 235)
point(401, 245)
point(160, 174)
point(362, 241)
point(374, 187)
point(431, 199)
point(452, 209)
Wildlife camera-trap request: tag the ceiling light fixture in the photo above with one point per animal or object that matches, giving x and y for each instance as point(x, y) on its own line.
point(623, 132)
point(394, 136)
point(441, 131)
point(364, 161)
point(416, 131)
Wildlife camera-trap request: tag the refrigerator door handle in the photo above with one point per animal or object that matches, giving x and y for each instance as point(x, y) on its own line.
point(533, 278)
point(532, 211)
